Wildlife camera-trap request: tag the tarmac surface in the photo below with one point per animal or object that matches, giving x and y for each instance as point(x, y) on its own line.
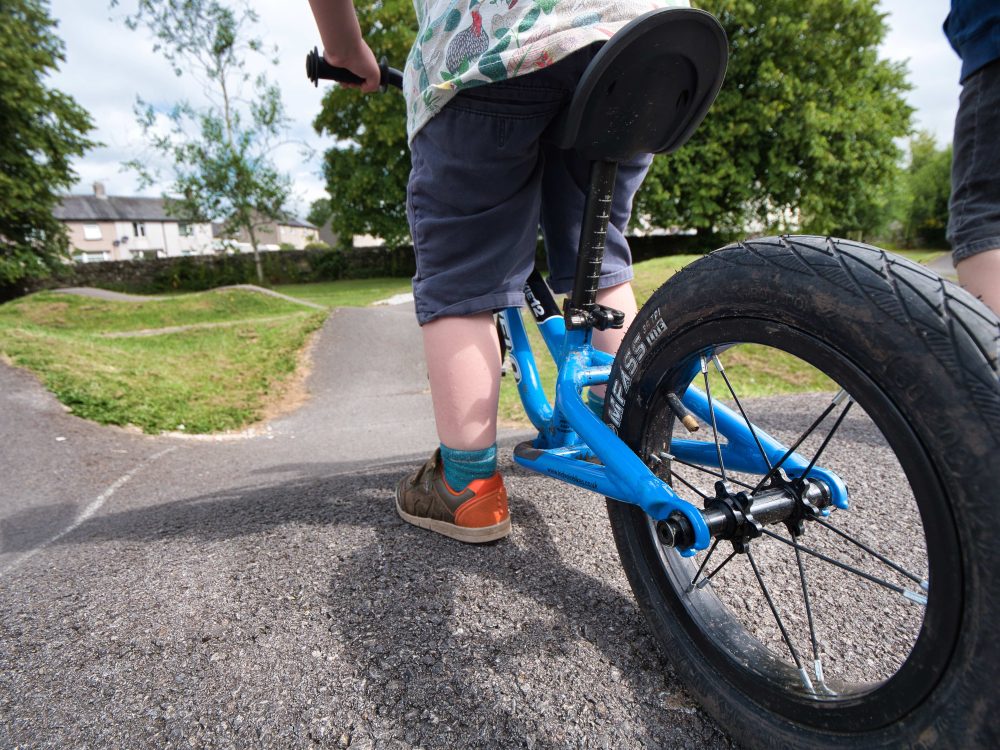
point(262, 592)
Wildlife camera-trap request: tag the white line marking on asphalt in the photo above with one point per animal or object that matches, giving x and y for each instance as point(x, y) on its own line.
point(87, 512)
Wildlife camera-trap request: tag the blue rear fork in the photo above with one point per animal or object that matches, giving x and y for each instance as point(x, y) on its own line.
point(569, 432)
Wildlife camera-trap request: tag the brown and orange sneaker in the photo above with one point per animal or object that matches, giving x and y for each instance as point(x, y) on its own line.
point(476, 514)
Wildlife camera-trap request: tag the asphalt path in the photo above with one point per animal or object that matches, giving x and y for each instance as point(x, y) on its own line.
point(262, 592)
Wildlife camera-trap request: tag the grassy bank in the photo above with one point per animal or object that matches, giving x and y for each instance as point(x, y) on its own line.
point(348, 293)
point(230, 359)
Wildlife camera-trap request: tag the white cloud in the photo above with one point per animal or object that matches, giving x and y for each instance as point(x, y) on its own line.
point(916, 37)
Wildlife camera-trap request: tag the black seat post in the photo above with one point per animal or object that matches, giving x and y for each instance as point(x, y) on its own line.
point(581, 306)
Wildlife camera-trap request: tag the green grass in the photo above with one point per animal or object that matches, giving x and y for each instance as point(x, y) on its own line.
point(219, 378)
point(207, 379)
point(77, 314)
point(347, 293)
point(754, 370)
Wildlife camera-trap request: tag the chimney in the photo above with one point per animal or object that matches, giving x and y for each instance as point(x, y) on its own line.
point(99, 190)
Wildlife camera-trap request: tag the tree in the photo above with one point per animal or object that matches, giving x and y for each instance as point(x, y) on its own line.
point(927, 188)
point(41, 130)
point(320, 212)
point(366, 173)
point(802, 132)
point(220, 150)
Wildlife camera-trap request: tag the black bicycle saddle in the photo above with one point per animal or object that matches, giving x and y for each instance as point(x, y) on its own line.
point(648, 87)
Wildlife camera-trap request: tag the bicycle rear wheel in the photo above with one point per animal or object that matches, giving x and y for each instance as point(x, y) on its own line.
point(871, 626)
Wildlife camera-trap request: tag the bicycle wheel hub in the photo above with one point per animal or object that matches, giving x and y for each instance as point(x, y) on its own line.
point(740, 517)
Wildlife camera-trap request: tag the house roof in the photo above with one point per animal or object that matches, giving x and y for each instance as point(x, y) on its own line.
point(118, 208)
point(112, 208)
point(219, 227)
point(291, 221)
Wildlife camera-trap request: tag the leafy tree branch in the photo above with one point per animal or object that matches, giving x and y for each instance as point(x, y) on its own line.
point(41, 131)
point(221, 152)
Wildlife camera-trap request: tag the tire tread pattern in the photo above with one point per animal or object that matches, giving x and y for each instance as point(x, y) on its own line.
point(957, 329)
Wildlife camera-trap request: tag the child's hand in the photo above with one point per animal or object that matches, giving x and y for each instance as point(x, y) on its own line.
point(360, 61)
point(344, 45)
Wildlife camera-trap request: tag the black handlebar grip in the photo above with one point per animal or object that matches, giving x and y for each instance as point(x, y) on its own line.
point(318, 68)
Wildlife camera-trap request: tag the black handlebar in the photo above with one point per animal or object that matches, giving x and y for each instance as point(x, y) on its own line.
point(317, 68)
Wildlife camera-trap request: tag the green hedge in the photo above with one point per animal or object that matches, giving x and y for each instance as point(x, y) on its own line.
point(319, 262)
point(200, 272)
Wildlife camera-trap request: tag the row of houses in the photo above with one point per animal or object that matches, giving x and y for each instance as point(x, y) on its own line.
point(105, 227)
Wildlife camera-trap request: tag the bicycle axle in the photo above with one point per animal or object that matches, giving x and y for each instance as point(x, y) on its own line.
point(741, 517)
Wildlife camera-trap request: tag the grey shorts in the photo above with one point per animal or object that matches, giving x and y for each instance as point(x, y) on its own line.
point(484, 180)
point(974, 209)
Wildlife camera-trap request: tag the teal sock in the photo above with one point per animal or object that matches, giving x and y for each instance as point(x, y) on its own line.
point(596, 404)
point(461, 467)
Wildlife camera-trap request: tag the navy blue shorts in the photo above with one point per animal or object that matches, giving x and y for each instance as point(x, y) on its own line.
point(974, 210)
point(484, 180)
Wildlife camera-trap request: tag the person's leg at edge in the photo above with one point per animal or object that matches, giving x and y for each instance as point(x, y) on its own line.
point(974, 205)
point(979, 275)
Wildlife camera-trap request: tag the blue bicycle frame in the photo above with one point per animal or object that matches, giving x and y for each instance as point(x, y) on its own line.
point(569, 431)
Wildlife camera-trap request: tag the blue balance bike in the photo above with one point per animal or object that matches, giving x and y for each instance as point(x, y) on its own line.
point(798, 447)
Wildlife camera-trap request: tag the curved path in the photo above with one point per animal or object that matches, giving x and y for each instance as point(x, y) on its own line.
point(89, 291)
point(163, 592)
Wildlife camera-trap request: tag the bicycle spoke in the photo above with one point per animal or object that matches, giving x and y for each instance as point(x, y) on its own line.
point(829, 437)
point(809, 431)
point(882, 558)
point(739, 405)
point(690, 486)
point(911, 596)
point(702, 567)
point(708, 471)
point(711, 411)
point(704, 581)
point(817, 663)
point(781, 626)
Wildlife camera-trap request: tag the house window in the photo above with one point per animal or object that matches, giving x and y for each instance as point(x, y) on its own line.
point(138, 229)
point(185, 229)
point(93, 257)
point(91, 232)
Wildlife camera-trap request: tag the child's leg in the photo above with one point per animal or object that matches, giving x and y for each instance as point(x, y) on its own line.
point(463, 364)
point(620, 297)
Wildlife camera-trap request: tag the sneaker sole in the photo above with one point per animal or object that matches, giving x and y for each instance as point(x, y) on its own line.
point(452, 531)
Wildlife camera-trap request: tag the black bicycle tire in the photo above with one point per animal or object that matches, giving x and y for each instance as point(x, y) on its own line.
point(935, 351)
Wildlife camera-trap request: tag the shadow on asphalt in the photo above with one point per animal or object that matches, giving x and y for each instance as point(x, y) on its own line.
point(33, 526)
point(480, 639)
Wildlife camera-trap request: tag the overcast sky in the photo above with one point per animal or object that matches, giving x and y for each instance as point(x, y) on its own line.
point(107, 66)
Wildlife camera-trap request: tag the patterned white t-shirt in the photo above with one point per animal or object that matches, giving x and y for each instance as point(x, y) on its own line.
point(463, 43)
